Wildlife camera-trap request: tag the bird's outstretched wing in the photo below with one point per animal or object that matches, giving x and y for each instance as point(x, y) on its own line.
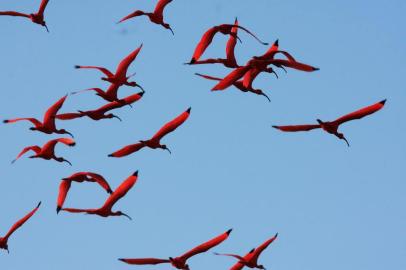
point(32, 120)
point(204, 42)
point(257, 252)
point(238, 257)
point(104, 70)
point(42, 7)
point(63, 191)
point(172, 125)
point(13, 13)
point(34, 148)
point(127, 150)
point(207, 245)
point(69, 116)
point(361, 113)
point(231, 43)
point(160, 6)
point(132, 15)
point(126, 62)
point(231, 78)
point(100, 180)
point(296, 128)
point(50, 114)
point(143, 261)
point(20, 223)
point(120, 192)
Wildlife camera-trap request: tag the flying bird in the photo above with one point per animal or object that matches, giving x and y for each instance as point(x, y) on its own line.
point(180, 262)
point(100, 113)
point(106, 209)
point(48, 124)
point(16, 226)
point(155, 141)
point(332, 127)
point(120, 77)
point(207, 38)
point(37, 17)
point(251, 259)
point(230, 61)
point(47, 151)
point(238, 84)
point(155, 17)
point(79, 177)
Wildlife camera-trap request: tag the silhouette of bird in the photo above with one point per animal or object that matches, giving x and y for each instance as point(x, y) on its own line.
point(100, 113)
point(106, 209)
point(16, 226)
point(155, 17)
point(120, 77)
point(251, 259)
point(37, 18)
point(238, 84)
point(79, 177)
point(47, 151)
point(48, 124)
point(332, 127)
point(207, 38)
point(155, 141)
point(180, 262)
point(230, 61)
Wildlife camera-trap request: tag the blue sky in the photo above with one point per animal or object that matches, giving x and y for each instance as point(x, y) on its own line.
point(334, 207)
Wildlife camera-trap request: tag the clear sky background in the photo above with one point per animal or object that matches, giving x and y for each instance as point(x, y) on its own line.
point(334, 207)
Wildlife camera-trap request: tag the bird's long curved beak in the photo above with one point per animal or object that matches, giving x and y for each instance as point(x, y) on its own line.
point(70, 134)
point(46, 27)
point(168, 150)
point(127, 216)
point(67, 161)
point(265, 95)
point(115, 116)
point(171, 31)
point(140, 87)
point(348, 144)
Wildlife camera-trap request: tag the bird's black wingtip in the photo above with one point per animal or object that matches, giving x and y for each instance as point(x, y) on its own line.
point(58, 209)
point(192, 61)
point(229, 231)
point(38, 205)
point(135, 173)
point(109, 191)
point(189, 109)
point(5, 121)
point(121, 260)
point(276, 43)
point(383, 101)
point(110, 155)
point(276, 235)
point(277, 127)
point(141, 94)
point(315, 68)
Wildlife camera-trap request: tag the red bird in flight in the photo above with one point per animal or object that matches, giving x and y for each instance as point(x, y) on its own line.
point(37, 18)
point(100, 113)
point(251, 259)
point(106, 209)
point(48, 124)
point(18, 224)
point(180, 262)
point(48, 150)
point(79, 177)
point(156, 17)
point(120, 77)
point(332, 127)
point(207, 38)
point(230, 61)
point(155, 141)
point(239, 85)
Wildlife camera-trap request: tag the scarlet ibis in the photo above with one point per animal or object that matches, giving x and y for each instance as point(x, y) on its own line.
point(332, 127)
point(238, 84)
point(207, 38)
point(79, 177)
point(230, 60)
point(47, 151)
point(37, 17)
point(155, 17)
point(106, 209)
point(155, 141)
point(48, 124)
point(16, 226)
point(250, 259)
point(120, 77)
point(180, 262)
point(100, 113)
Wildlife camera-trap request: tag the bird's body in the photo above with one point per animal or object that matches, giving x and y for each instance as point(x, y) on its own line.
point(180, 262)
point(106, 209)
point(332, 127)
point(18, 224)
point(156, 17)
point(47, 151)
point(155, 141)
point(37, 17)
point(120, 77)
point(250, 260)
point(48, 124)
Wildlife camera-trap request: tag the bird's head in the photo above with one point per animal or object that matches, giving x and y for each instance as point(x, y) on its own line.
point(110, 116)
point(132, 84)
point(167, 26)
point(163, 146)
point(319, 121)
point(341, 136)
point(261, 267)
point(33, 128)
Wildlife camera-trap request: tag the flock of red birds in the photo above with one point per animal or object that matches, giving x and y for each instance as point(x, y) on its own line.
point(241, 77)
